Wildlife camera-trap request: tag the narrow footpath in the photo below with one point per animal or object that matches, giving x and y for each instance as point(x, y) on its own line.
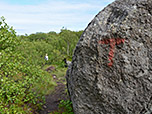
point(54, 98)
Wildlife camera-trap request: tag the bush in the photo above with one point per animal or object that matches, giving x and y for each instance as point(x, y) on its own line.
point(65, 107)
point(18, 76)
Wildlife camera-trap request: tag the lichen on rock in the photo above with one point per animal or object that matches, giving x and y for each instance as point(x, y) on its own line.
point(125, 86)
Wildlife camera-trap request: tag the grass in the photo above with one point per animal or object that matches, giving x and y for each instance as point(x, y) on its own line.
point(60, 73)
point(46, 66)
point(65, 107)
point(46, 84)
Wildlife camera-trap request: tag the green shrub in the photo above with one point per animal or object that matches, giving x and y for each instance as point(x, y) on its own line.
point(65, 107)
point(23, 83)
point(18, 76)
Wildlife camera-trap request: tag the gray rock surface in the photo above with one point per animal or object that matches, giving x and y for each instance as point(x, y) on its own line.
point(111, 70)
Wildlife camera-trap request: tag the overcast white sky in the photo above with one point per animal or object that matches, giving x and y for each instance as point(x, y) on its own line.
point(31, 16)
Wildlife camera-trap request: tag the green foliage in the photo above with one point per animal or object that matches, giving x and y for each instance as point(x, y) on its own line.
point(38, 36)
point(65, 107)
point(18, 77)
point(22, 78)
point(67, 40)
point(60, 73)
point(8, 39)
point(57, 45)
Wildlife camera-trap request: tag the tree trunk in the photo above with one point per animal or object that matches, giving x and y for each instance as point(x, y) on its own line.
point(68, 48)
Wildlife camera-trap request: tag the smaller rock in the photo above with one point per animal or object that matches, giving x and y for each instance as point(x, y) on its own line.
point(44, 106)
point(50, 69)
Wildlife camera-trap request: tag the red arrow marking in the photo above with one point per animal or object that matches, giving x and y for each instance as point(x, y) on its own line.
point(112, 43)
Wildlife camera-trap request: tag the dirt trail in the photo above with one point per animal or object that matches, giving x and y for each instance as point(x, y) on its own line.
point(54, 98)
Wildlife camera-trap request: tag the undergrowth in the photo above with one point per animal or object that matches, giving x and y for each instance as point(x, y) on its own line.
point(21, 90)
point(65, 107)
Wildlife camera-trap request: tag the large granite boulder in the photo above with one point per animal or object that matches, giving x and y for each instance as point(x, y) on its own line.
point(111, 70)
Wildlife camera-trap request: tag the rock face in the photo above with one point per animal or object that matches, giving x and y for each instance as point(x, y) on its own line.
point(111, 69)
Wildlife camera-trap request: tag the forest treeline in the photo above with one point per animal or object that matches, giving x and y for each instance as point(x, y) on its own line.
point(57, 45)
point(23, 82)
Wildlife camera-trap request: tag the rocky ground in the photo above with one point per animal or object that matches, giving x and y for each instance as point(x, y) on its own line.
point(54, 98)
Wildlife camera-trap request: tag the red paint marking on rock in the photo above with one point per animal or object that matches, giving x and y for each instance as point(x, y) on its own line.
point(112, 42)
